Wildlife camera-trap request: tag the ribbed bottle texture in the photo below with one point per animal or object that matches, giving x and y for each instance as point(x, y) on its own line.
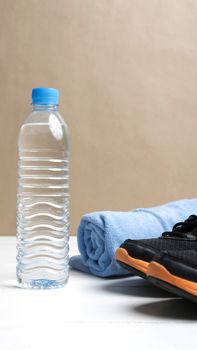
point(43, 202)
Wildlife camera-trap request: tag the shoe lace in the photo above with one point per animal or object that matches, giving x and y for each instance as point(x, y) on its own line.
point(180, 228)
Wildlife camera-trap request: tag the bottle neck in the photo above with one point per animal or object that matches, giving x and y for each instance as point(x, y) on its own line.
point(44, 108)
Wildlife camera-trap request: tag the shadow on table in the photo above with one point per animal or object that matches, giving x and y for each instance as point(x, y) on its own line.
point(174, 309)
point(134, 286)
point(10, 284)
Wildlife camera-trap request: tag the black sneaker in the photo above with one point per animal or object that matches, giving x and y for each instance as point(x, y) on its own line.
point(135, 255)
point(175, 271)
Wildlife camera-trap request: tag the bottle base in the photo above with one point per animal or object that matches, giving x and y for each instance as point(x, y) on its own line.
point(41, 284)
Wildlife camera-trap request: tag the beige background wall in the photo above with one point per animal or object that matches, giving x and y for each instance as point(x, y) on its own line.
point(127, 72)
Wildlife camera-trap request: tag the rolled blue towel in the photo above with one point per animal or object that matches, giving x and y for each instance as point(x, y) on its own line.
point(101, 233)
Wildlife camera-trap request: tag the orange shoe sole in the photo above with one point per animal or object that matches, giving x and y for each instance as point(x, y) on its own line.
point(132, 264)
point(160, 273)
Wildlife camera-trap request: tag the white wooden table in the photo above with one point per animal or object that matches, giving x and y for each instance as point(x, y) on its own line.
point(91, 313)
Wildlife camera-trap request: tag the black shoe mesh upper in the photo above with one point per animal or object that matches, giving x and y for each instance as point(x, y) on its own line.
point(163, 243)
point(181, 264)
point(182, 237)
point(185, 256)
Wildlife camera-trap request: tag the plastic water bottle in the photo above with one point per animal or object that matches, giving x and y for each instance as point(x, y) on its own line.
point(43, 195)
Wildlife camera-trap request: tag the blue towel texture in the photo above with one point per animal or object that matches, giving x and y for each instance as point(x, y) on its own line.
point(101, 233)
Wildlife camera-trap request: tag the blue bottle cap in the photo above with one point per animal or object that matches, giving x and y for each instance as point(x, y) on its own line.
point(45, 96)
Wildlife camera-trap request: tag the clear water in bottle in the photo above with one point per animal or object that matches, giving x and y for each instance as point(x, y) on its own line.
point(43, 195)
